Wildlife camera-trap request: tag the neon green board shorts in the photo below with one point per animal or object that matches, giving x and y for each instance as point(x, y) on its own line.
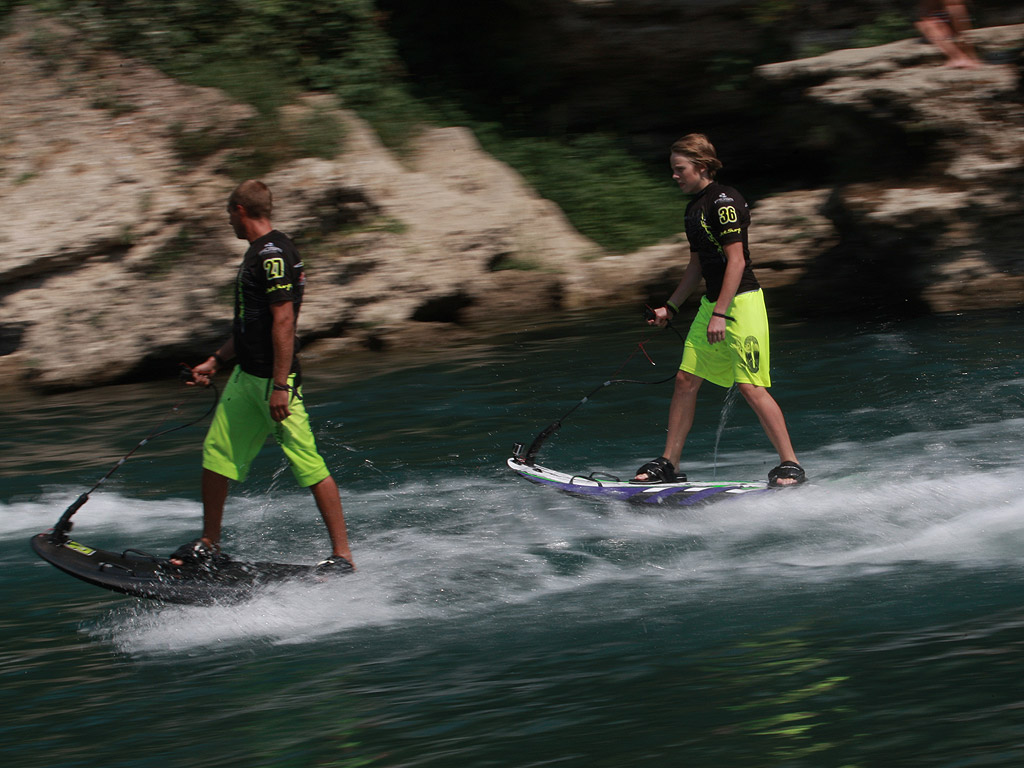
point(242, 422)
point(744, 355)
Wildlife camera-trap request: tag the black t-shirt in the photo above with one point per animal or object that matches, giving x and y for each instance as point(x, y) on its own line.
point(716, 216)
point(271, 272)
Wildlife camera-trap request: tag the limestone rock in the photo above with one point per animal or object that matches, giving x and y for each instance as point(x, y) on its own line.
point(941, 233)
point(120, 261)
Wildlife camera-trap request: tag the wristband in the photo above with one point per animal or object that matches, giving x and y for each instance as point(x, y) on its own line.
point(727, 317)
point(281, 387)
point(218, 359)
point(671, 307)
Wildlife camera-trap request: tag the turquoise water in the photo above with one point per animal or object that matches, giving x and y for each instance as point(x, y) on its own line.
point(870, 618)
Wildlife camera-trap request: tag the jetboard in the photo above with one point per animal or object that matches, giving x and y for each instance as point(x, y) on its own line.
point(604, 486)
point(135, 573)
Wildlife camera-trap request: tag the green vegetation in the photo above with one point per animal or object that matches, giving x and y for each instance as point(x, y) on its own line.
point(262, 143)
point(267, 52)
point(519, 264)
point(263, 52)
point(319, 135)
point(607, 194)
point(388, 224)
point(111, 102)
point(887, 28)
point(167, 257)
point(266, 143)
point(730, 73)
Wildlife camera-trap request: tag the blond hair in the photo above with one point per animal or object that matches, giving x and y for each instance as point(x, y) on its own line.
point(255, 197)
point(699, 151)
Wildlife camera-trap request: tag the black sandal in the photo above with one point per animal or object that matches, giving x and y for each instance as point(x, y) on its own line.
point(335, 564)
point(659, 470)
point(787, 470)
point(198, 554)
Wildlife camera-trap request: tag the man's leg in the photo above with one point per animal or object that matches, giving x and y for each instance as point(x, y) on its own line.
point(960, 21)
point(295, 437)
point(328, 501)
point(680, 417)
point(680, 414)
point(940, 34)
point(772, 421)
point(215, 494)
point(236, 434)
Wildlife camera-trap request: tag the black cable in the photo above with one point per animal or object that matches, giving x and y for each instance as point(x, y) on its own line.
point(60, 530)
point(549, 430)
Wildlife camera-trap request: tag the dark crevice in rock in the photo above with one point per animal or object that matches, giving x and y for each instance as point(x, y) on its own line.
point(11, 335)
point(500, 261)
point(353, 271)
point(342, 209)
point(443, 309)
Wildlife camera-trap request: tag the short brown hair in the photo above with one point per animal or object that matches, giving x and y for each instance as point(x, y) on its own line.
point(255, 197)
point(699, 150)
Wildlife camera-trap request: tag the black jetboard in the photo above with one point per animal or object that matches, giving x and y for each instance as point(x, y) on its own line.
point(135, 573)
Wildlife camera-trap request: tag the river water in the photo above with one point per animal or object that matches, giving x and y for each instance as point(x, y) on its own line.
point(872, 617)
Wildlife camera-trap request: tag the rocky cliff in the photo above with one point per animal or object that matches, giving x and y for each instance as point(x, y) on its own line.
point(119, 260)
point(933, 220)
point(643, 68)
